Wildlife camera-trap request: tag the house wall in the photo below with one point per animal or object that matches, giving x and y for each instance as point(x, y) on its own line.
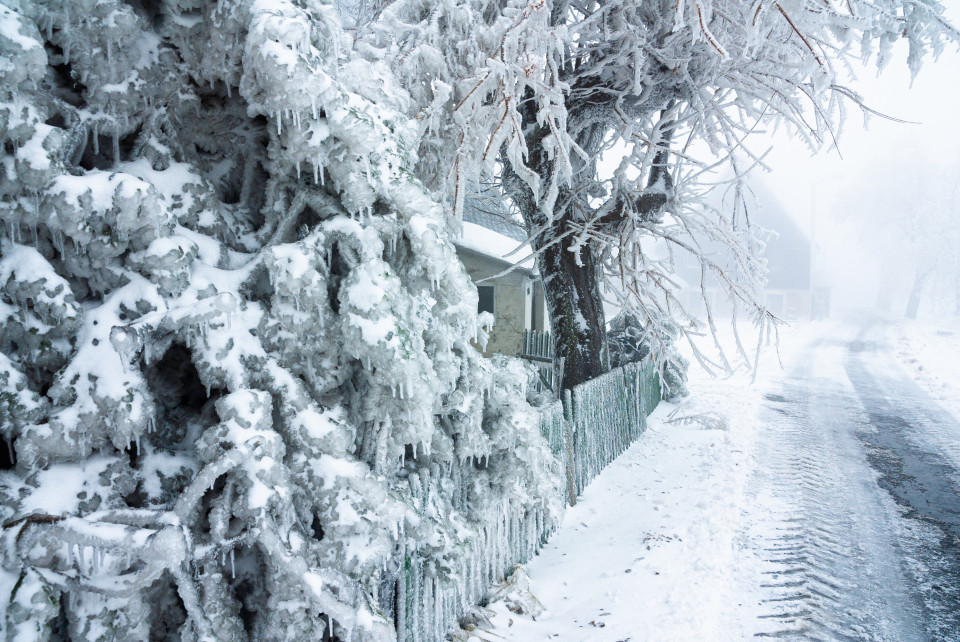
point(512, 297)
point(796, 303)
point(784, 303)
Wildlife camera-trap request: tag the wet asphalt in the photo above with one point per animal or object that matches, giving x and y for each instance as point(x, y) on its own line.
point(897, 420)
point(862, 469)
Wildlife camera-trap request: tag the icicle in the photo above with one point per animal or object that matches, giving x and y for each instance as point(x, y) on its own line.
point(56, 236)
point(279, 122)
point(313, 106)
point(315, 172)
point(95, 133)
point(116, 143)
point(402, 600)
point(233, 572)
point(437, 610)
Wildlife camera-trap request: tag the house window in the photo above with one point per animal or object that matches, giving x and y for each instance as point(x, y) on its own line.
point(485, 300)
point(536, 308)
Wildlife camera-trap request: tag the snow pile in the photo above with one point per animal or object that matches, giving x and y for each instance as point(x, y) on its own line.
point(237, 387)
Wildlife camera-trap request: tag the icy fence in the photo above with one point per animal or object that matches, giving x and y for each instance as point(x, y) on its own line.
point(606, 415)
point(425, 596)
point(537, 348)
point(594, 424)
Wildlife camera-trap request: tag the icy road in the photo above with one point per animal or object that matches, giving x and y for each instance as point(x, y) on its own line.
point(823, 504)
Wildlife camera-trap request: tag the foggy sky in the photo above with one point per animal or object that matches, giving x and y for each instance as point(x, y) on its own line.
point(806, 182)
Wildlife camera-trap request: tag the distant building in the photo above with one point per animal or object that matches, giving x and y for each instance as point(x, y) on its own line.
point(788, 290)
point(514, 296)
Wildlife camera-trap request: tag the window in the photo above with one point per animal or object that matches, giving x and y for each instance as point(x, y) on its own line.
point(485, 301)
point(536, 308)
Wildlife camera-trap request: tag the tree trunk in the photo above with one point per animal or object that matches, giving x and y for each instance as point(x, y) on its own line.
point(576, 312)
point(913, 303)
point(571, 288)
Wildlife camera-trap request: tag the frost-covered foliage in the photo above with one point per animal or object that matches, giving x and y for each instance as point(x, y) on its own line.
point(536, 92)
point(236, 371)
point(631, 340)
point(905, 208)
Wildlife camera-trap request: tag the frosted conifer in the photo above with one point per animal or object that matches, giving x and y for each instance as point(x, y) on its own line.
point(237, 385)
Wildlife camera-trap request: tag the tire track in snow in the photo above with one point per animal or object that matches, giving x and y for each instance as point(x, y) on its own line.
point(829, 568)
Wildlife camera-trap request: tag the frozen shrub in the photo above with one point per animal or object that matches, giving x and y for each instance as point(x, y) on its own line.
point(237, 383)
point(631, 340)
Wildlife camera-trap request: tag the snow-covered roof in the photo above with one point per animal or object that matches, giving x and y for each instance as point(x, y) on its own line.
point(487, 210)
point(489, 230)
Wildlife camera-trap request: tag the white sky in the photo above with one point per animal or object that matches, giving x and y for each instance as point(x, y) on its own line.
point(804, 182)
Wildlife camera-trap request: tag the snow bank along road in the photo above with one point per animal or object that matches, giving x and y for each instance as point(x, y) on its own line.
point(822, 505)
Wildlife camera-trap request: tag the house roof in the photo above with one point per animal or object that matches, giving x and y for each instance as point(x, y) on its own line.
point(786, 249)
point(489, 230)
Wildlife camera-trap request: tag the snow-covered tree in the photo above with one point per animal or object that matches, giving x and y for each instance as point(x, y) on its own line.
point(906, 210)
point(237, 385)
point(536, 92)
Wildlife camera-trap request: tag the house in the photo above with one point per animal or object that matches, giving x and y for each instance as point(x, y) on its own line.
point(506, 278)
point(788, 292)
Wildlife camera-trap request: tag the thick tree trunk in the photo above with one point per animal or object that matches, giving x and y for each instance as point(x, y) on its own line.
point(576, 312)
point(571, 287)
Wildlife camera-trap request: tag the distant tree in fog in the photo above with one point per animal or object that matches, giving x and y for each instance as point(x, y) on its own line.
point(906, 209)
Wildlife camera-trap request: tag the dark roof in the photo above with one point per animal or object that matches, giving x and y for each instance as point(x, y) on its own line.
point(486, 209)
point(787, 249)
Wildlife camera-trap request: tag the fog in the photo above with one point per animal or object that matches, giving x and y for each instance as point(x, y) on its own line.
point(883, 203)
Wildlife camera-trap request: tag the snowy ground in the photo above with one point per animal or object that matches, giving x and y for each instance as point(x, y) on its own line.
point(931, 354)
point(689, 535)
point(648, 553)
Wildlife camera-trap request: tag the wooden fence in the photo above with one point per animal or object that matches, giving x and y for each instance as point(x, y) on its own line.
point(594, 423)
point(598, 420)
point(537, 348)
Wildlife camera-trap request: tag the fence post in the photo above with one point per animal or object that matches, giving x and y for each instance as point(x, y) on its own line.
point(568, 446)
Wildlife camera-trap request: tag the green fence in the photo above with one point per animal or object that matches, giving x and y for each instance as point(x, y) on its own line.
point(594, 424)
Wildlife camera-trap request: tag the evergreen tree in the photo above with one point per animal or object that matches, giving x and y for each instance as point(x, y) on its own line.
point(237, 381)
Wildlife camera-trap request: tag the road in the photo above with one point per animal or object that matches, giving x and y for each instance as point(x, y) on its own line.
point(856, 507)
